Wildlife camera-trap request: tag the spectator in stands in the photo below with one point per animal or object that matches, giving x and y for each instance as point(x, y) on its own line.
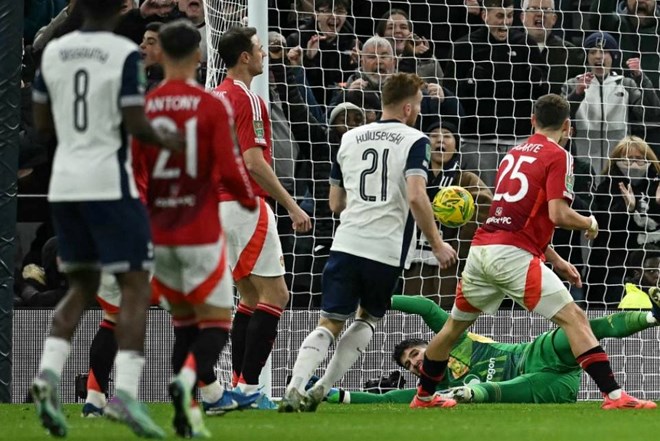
point(496, 72)
point(562, 58)
point(637, 23)
point(42, 284)
point(643, 269)
point(329, 45)
point(150, 51)
point(604, 103)
point(134, 22)
point(636, 26)
point(38, 13)
point(368, 101)
point(425, 276)
point(413, 53)
point(377, 63)
point(627, 207)
point(194, 11)
point(45, 33)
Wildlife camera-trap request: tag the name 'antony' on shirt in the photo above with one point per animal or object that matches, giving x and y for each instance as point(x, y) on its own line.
point(176, 102)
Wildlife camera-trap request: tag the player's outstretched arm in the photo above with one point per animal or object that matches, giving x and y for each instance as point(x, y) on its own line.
point(434, 316)
point(423, 214)
point(264, 175)
point(563, 216)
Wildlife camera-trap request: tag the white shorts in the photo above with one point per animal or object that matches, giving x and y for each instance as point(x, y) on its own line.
point(495, 271)
point(193, 274)
point(109, 296)
point(253, 244)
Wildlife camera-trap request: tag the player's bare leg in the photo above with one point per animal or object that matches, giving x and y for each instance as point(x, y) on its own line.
point(82, 289)
point(312, 352)
point(592, 358)
point(434, 365)
point(272, 296)
point(130, 332)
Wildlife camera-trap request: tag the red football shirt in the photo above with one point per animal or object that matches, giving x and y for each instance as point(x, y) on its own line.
point(252, 125)
point(529, 176)
point(180, 189)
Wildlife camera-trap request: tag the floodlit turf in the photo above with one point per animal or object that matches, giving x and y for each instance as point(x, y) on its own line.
point(571, 422)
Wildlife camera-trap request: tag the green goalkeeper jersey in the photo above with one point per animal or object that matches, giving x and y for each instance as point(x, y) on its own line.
point(474, 359)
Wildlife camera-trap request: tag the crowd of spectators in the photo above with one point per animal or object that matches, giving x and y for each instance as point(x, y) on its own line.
point(484, 63)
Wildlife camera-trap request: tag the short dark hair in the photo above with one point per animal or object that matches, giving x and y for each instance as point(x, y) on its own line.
point(403, 346)
point(497, 4)
point(154, 26)
point(399, 87)
point(382, 23)
point(332, 4)
point(101, 9)
point(551, 111)
point(234, 42)
point(179, 38)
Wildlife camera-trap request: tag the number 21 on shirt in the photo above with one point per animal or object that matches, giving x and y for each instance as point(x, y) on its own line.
point(161, 171)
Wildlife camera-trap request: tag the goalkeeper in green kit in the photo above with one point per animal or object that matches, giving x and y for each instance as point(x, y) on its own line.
point(481, 370)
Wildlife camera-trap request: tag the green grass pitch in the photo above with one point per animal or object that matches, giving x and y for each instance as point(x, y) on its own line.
point(510, 422)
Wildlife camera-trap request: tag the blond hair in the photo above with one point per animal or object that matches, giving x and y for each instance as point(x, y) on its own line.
point(622, 147)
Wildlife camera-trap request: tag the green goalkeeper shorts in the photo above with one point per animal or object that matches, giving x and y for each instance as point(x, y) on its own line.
point(552, 380)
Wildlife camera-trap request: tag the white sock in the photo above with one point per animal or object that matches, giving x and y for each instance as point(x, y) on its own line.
point(56, 351)
point(312, 352)
point(212, 392)
point(350, 347)
point(188, 377)
point(248, 389)
point(128, 365)
point(650, 319)
point(96, 398)
point(615, 394)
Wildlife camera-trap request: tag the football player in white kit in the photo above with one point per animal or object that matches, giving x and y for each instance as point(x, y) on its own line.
point(378, 184)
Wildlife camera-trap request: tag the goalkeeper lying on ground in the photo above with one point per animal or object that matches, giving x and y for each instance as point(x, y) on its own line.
point(483, 371)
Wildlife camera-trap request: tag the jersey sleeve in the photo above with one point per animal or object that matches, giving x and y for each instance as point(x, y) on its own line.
point(140, 169)
point(133, 81)
point(419, 156)
point(39, 89)
point(560, 179)
point(232, 172)
point(250, 119)
point(336, 176)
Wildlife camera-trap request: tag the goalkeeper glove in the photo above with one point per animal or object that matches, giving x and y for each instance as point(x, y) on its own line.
point(338, 396)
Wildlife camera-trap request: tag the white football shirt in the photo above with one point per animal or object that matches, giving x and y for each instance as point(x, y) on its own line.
point(372, 165)
point(88, 77)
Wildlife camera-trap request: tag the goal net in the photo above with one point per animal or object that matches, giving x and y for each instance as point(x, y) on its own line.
point(481, 89)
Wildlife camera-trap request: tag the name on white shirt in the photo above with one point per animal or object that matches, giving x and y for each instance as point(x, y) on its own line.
point(173, 103)
point(395, 138)
point(76, 53)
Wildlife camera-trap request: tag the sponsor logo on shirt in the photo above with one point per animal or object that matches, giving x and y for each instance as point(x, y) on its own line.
point(259, 133)
point(570, 182)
